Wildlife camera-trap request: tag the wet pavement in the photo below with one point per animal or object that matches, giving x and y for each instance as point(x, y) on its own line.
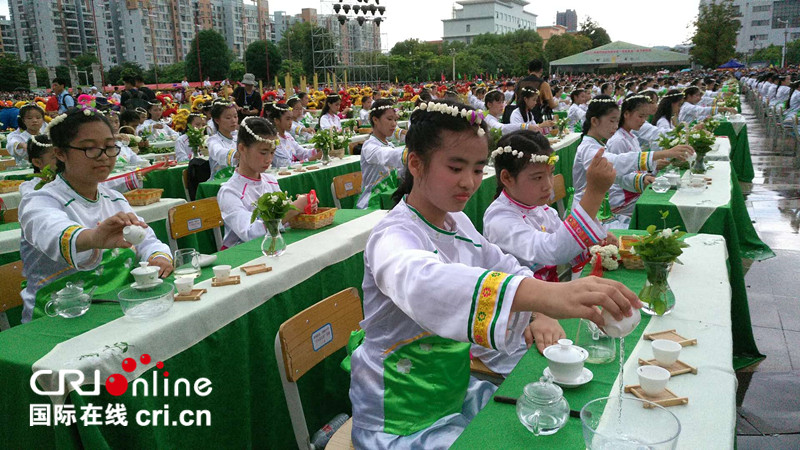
point(768, 397)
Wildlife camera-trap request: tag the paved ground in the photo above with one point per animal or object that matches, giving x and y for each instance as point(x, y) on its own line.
point(768, 399)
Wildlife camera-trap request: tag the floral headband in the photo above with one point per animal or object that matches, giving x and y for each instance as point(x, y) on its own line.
point(273, 142)
point(380, 108)
point(140, 110)
point(602, 100)
point(529, 90)
point(634, 97)
point(39, 144)
point(535, 159)
point(281, 107)
point(676, 94)
point(474, 117)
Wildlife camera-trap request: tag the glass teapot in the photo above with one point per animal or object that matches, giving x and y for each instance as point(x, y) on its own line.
point(601, 347)
point(542, 407)
point(69, 302)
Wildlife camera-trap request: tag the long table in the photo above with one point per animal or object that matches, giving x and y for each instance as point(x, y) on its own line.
point(702, 311)
point(730, 221)
point(300, 183)
point(226, 337)
point(741, 161)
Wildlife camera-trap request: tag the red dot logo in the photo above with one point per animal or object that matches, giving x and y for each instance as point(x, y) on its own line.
point(166, 374)
point(160, 365)
point(128, 364)
point(145, 358)
point(116, 384)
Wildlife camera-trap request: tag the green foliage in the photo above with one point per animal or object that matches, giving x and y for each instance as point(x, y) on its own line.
point(793, 52)
point(15, 73)
point(272, 206)
point(771, 54)
point(85, 61)
point(292, 67)
point(197, 137)
point(215, 56)
point(172, 73)
point(237, 70)
point(296, 44)
point(45, 176)
point(597, 34)
point(256, 60)
point(660, 245)
point(563, 45)
point(116, 73)
point(701, 140)
point(715, 36)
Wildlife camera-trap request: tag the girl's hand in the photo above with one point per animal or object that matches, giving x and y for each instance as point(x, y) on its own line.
point(544, 331)
point(648, 180)
point(580, 299)
point(611, 239)
point(547, 124)
point(309, 130)
point(601, 174)
point(316, 156)
point(158, 126)
point(163, 263)
point(302, 202)
point(108, 233)
point(682, 152)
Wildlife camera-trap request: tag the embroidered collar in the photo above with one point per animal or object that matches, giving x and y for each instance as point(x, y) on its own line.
point(432, 226)
point(521, 205)
point(76, 192)
point(256, 180)
point(379, 140)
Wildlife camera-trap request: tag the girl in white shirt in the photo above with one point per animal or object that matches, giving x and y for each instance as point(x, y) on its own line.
point(256, 147)
point(330, 113)
point(183, 151)
point(154, 125)
point(288, 151)
point(433, 285)
point(495, 102)
point(222, 145)
point(298, 130)
point(577, 110)
point(127, 155)
point(378, 155)
point(522, 117)
point(363, 115)
point(691, 112)
point(30, 123)
point(67, 223)
point(666, 116)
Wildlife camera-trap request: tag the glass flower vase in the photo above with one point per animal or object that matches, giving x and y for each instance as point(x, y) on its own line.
point(699, 165)
point(326, 157)
point(656, 295)
point(273, 243)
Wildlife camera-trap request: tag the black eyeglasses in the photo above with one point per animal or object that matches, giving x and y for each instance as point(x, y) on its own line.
point(95, 152)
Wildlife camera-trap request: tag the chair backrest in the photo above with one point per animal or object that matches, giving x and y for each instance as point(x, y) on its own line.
point(345, 186)
point(306, 339)
point(11, 215)
point(559, 194)
point(185, 177)
point(194, 217)
point(10, 281)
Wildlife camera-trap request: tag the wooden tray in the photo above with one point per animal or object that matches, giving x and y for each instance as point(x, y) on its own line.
point(142, 197)
point(672, 336)
point(666, 398)
point(322, 218)
point(256, 268)
point(233, 279)
point(7, 186)
point(312, 167)
point(194, 295)
point(677, 368)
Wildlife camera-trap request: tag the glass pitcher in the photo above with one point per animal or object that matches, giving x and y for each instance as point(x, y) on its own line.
point(601, 347)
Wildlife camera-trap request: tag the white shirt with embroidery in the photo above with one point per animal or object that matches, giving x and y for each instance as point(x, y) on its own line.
point(51, 220)
point(693, 113)
point(235, 198)
point(575, 115)
point(289, 151)
point(222, 152)
point(378, 159)
point(330, 121)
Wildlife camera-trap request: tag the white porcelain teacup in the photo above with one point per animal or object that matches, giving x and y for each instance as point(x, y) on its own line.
point(666, 352)
point(134, 234)
point(222, 273)
point(565, 360)
point(620, 328)
point(184, 285)
point(653, 379)
point(145, 275)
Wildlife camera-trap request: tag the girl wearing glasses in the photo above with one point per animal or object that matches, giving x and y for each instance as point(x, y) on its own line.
point(68, 223)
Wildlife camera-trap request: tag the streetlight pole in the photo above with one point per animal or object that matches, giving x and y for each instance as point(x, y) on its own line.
point(453, 54)
point(785, 34)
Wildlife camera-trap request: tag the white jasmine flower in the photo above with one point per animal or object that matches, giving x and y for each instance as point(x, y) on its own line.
point(666, 232)
point(481, 133)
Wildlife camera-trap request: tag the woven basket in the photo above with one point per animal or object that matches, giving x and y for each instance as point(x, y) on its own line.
point(364, 130)
point(337, 153)
point(141, 197)
point(322, 218)
point(629, 260)
point(10, 186)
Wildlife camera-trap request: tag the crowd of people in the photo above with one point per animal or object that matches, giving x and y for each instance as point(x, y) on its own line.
point(501, 290)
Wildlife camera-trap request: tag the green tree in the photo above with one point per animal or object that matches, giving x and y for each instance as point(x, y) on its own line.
point(296, 44)
point(563, 45)
point(256, 60)
point(715, 36)
point(597, 34)
point(793, 52)
point(237, 70)
point(85, 61)
point(215, 57)
point(15, 73)
point(116, 73)
point(292, 67)
point(172, 73)
point(771, 54)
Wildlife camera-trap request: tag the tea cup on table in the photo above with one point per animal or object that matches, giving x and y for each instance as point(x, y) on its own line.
point(666, 352)
point(184, 285)
point(145, 274)
point(222, 273)
point(653, 379)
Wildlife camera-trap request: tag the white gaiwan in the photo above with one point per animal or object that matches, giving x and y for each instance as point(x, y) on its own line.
point(620, 328)
point(565, 360)
point(134, 234)
point(145, 275)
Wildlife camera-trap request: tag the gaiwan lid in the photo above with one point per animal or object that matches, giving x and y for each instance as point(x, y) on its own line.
point(144, 269)
point(565, 352)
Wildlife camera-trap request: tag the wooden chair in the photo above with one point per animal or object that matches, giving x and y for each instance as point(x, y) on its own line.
point(185, 177)
point(304, 341)
point(10, 280)
point(481, 372)
point(345, 186)
point(11, 215)
point(194, 217)
point(560, 195)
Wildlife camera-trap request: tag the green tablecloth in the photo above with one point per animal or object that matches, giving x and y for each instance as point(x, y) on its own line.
point(733, 222)
point(170, 180)
point(566, 159)
point(560, 114)
point(247, 404)
point(300, 183)
point(741, 162)
point(482, 432)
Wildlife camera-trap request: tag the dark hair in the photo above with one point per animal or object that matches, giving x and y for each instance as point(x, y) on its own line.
point(379, 108)
point(575, 93)
point(59, 80)
point(425, 136)
point(424, 96)
point(632, 103)
point(535, 65)
point(151, 105)
point(132, 81)
point(792, 87)
point(494, 96)
point(191, 117)
point(38, 146)
point(276, 110)
point(261, 127)
point(665, 106)
point(216, 111)
point(24, 111)
point(128, 117)
point(293, 101)
point(528, 142)
point(329, 100)
point(598, 108)
point(138, 78)
point(65, 131)
point(522, 94)
point(301, 95)
point(692, 90)
point(606, 86)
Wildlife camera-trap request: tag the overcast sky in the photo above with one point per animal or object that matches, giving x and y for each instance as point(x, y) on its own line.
point(642, 22)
